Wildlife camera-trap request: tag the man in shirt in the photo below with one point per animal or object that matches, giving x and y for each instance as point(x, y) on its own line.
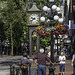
point(41, 62)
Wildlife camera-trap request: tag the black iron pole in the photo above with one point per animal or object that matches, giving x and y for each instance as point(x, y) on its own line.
point(11, 69)
point(51, 68)
point(1, 47)
point(57, 47)
point(52, 47)
point(7, 50)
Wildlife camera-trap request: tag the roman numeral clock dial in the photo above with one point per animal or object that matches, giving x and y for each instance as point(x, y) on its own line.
point(34, 19)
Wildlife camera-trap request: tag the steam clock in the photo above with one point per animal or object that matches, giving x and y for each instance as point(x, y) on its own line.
point(33, 20)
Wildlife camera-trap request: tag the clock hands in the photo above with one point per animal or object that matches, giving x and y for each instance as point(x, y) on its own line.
point(32, 18)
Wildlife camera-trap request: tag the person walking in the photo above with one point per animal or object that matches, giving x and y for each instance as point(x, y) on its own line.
point(73, 63)
point(62, 59)
point(25, 65)
point(41, 62)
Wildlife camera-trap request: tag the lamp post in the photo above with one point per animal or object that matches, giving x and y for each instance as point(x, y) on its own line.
point(57, 46)
point(22, 46)
point(1, 47)
point(7, 45)
point(51, 15)
point(58, 38)
point(67, 42)
point(0, 44)
point(24, 43)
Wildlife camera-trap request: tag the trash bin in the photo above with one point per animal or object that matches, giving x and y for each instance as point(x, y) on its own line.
point(51, 70)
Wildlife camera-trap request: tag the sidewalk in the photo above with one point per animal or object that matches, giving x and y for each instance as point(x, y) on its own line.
point(68, 67)
point(2, 56)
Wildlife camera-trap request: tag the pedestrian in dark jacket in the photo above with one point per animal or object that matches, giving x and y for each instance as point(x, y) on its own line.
point(41, 62)
point(25, 65)
point(73, 63)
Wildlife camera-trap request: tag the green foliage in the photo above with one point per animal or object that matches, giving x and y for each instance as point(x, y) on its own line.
point(13, 15)
point(44, 42)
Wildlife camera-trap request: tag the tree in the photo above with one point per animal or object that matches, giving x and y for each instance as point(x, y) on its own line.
point(13, 16)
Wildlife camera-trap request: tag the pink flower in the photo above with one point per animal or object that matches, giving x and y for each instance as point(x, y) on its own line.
point(57, 32)
point(43, 35)
point(41, 30)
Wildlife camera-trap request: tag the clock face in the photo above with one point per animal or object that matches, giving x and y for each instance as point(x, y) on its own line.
point(34, 18)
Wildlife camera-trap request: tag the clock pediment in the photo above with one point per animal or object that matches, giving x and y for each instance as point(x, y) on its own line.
point(33, 15)
point(34, 8)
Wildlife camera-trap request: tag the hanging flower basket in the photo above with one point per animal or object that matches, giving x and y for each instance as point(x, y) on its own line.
point(58, 29)
point(61, 29)
point(42, 31)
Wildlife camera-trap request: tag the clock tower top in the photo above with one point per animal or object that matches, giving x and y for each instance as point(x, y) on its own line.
point(33, 16)
point(33, 8)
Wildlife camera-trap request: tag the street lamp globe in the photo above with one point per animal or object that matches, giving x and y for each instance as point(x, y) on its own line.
point(48, 10)
point(54, 36)
point(59, 12)
point(51, 0)
point(56, 17)
point(45, 8)
point(42, 19)
point(60, 36)
point(60, 20)
point(54, 7)
point(58, 9)
point(48, 20)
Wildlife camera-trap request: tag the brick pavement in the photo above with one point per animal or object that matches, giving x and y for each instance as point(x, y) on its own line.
point(1, 56)
point(68, 67)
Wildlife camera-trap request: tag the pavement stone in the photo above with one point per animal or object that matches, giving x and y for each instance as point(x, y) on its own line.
point(5, 61)
point(68, 68)
point(6, 72)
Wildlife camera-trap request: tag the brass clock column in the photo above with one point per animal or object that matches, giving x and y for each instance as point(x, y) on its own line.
point(33, 20)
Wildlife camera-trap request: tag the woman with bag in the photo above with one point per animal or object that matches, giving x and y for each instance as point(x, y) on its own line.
point(62, 59)
point(25, 65)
